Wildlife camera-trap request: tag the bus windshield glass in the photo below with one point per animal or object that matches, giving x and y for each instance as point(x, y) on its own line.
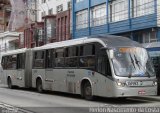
point(132, 62)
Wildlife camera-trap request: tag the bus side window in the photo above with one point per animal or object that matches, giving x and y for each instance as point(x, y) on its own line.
point(49, 58)
point(38, 61)
point(103, 65)
point(3, 62)
point(156, 63)
point(87, 56)
point(12, 62)
point(21, 61)
point(71, 56)
point(59, 57)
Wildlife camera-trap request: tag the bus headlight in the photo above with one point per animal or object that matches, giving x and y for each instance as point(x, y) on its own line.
point(154, 83)
point(120, 84)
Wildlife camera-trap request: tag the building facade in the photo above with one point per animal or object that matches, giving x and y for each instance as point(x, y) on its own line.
point(5, 12)
point(55, 16)
point(51, 7)
point(9, 41)
point(136, 19)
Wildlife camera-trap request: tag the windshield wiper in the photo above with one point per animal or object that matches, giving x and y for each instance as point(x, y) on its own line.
point(138, 64)
point(132, 61)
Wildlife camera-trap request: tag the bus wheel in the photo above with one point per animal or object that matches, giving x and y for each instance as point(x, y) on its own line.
point(39, 86)
point(10, 83)
point(87, 91)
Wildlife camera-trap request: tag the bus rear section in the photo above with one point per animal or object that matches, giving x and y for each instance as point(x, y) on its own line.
point(14, 68)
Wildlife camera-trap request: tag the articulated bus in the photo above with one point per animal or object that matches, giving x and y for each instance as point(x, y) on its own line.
point(107, 66)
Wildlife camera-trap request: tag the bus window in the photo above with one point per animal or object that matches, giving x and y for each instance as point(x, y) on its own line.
point(38, 59)
point(3, 63)
point(49, 58)
point(11, 62)
point(156, 63)
point(71, 59)
point(21, 61)
point(87, 56)
point(59, 58)
point(103, 65)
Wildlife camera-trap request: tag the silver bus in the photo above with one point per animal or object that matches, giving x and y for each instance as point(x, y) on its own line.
point(107, 66)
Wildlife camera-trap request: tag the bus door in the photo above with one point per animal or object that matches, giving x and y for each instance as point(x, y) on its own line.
point(71, 84)
point(49, 79)
point(71, 63)
point(49, 75)
point(59, 70)
point(20, 69)
point(3, 76)
point(156, 63)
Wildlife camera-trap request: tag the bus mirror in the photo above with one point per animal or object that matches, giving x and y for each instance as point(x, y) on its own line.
point(111, 53)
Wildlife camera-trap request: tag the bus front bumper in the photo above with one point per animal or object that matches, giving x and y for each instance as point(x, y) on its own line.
point(135, 91)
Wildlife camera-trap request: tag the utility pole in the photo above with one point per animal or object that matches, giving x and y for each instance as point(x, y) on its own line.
point(36, 10)
point(36, 32)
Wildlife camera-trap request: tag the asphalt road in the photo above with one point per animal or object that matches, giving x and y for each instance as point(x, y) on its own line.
point(54, 102)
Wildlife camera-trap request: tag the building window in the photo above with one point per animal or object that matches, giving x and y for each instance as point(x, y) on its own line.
point(78, 1)
point(69, 5)
point(49, 29)
point(118, 10)
point(149, 37)
point(98, 15)
point(50, 11)
point(59, 8)
point(43, 14)
point(82, 19)
point(142, 7)
point(40, 34)
point(43, 1)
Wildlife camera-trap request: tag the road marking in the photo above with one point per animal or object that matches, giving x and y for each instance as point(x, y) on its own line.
point(6, 108)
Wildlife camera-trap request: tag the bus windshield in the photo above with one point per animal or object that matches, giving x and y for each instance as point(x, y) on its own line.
point(132, 61)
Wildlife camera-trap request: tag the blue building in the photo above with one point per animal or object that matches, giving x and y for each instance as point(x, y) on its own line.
point(136, 19)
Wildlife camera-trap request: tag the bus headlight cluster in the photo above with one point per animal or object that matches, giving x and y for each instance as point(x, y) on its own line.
point(121, 84)
point(154, 83)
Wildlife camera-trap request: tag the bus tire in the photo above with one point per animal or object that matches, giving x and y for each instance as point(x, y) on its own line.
point(9, 82)
point(39, 85)
point(87, 91)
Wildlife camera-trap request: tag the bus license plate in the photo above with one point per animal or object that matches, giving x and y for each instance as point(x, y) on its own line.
point(142, 92)
point(134, 83)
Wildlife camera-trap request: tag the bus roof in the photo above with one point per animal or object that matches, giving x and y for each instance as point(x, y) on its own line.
point(117, 41)
point(105, 40)
point(69, 43)
point(14, 51)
